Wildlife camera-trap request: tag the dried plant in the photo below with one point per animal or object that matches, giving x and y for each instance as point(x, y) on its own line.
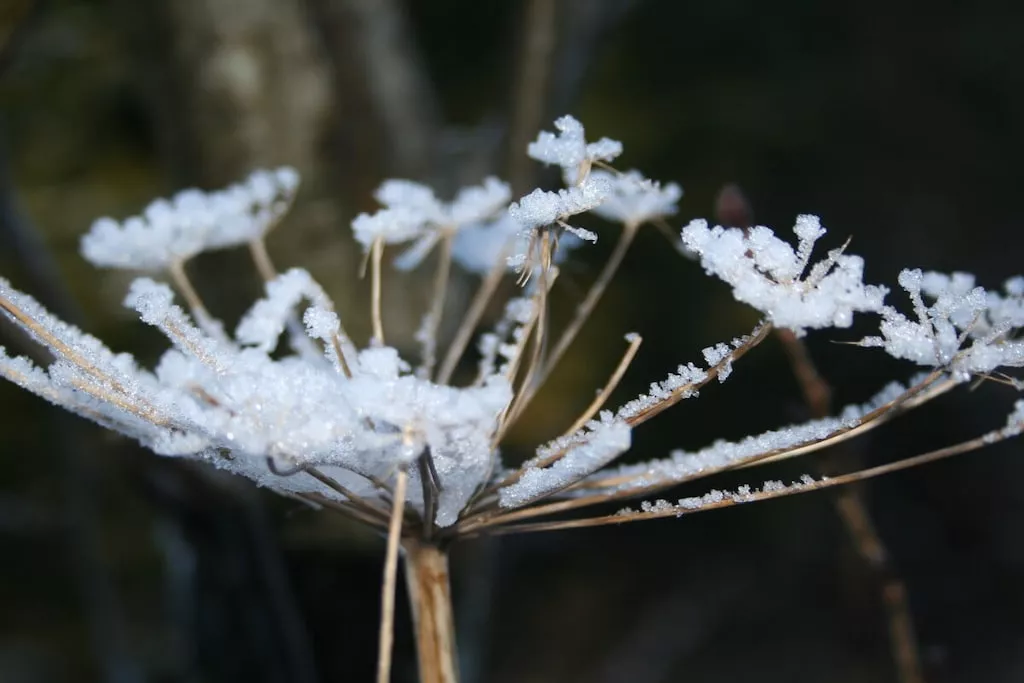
point(359, 431)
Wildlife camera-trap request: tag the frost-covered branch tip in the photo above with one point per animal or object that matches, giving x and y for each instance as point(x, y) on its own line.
point(768, 274)
point(967, 328)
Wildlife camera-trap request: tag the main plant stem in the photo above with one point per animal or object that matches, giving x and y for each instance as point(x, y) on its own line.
point(426, 574)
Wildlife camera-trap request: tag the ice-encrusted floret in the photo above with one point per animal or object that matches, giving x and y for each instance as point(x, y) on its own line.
point(634, 199)
point(967, 328)
point(569, 149)
point(413, 212)
point(769, 274)
point(390, 226)
point(541, 209)
point(192, 221)
point(480, 246)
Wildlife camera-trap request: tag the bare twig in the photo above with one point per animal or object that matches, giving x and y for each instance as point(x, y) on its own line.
point(387, 599)
point(376, 256)
point(586, 307)
point(853, 511)
point(536, 51)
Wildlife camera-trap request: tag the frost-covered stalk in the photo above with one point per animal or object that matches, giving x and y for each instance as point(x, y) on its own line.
point(416, 454)
point(430, 597)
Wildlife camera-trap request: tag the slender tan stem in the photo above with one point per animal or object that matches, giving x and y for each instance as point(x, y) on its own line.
point(426, 574)
point(195, 303)
point(586, 307)
point(526, 392)
point(387, 598)
point(376, 258)
point(469, 322)
point(260, 257)
point(596, 405)
point(602, 397)
point(444, 266)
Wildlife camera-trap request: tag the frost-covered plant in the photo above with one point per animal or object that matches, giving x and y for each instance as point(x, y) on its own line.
point(360, 431)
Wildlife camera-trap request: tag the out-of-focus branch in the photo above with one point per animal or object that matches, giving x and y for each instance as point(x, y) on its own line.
point(532, 83)
point(733, 210)
point(373, 49)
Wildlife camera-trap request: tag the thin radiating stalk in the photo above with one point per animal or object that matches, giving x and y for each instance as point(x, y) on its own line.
point(853, 511)
point(841, 480)
point(194, 301)
point(468, 325)
point(261, 258)
point(436, 312)
point(387, 598)
point(376, 257)
point(426, 574)
point(586, 307)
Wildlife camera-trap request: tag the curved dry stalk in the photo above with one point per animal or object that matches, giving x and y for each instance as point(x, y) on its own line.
point(853, 512)
point(261, 258)
point(758, 496)
point(528, 385)
point(437, 301)
point(591, 410)
point(586, 307)
point(387, 598)
point(376, 259)
point(759, 334)
point(195, 303)
point(627, 359)
point(379, 514)
point(467, 326)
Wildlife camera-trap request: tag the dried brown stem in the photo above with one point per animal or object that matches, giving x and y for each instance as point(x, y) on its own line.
point(853, 512)
point(842, 480)
point(376, 258)
point(261, 258)
point(426, 574)
point(387, 598)
point(469, 322)
point(444, 266)
point(586, 307)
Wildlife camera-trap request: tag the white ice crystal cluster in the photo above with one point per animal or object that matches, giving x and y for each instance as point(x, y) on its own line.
point(569, 149)
point(412, 212)
point(192, 221)
point(965, 327)
point(234, 405)
point(633, 199)
point(335, 423)
point(768, 274)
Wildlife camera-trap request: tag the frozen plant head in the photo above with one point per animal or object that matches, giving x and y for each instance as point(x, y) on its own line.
point(397, 444)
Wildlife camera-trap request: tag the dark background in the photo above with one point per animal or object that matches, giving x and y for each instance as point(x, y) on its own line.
point(900, 123)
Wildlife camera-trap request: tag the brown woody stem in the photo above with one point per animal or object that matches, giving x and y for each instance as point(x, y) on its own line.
point(426, 574)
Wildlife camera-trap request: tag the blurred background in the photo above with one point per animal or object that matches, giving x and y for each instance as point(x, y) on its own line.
point(900, 123)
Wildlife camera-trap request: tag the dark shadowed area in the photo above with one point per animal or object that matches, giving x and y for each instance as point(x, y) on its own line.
point(900, 123)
